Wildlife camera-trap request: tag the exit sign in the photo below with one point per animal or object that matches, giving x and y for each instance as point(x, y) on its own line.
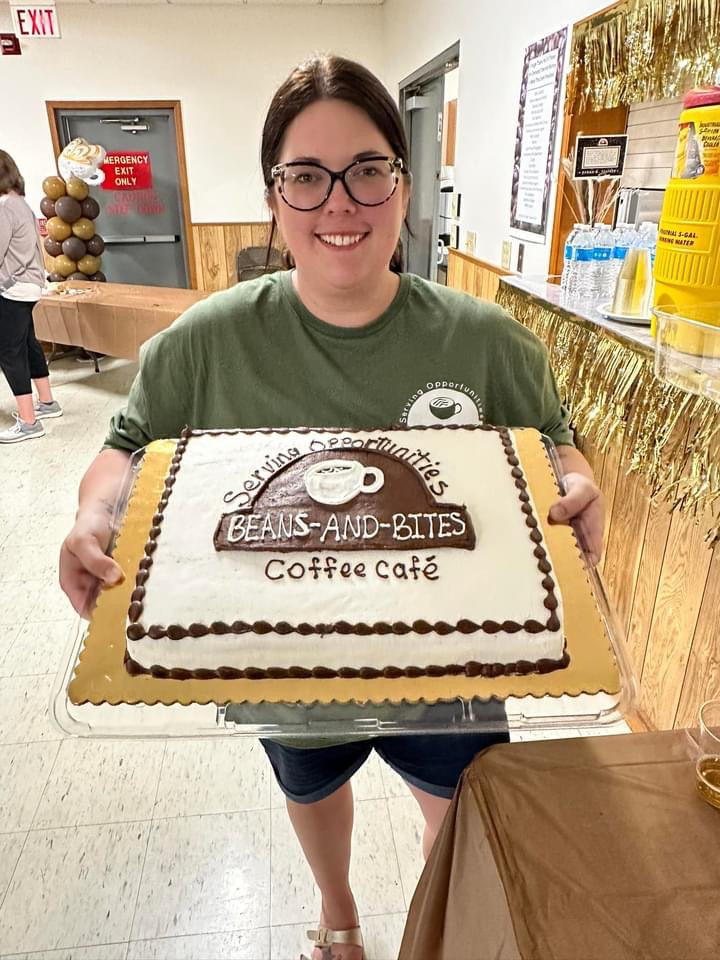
point(39, 22)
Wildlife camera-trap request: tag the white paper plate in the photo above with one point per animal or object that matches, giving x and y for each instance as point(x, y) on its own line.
point(607, 311)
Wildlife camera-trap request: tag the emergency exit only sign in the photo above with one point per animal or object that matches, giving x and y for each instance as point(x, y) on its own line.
point(37, 22)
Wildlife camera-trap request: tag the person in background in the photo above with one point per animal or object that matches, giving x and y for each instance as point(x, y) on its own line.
point(343, 338)
point(22, 277)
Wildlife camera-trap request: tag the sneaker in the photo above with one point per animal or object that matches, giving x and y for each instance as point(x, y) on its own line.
point(46, 411)
point(22, 431)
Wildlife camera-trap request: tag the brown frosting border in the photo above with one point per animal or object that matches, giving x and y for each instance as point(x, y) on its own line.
point(472, 668)
point(136, 631)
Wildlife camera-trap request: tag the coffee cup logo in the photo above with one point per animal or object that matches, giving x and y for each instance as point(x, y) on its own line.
point(337, 481)
point(444, 407)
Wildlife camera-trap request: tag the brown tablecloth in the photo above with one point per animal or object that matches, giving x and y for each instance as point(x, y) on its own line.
point(111, 318)
point(589, 849)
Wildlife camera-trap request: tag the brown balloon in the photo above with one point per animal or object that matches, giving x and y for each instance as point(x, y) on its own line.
point(90, 208)
point(99, 277)
point(65, 265)
point(47, 207)
point(83, 228)
point(89, 265)
point(74, 248)
point(77, 276)
point(95, 245)
point(68, 209)
point(58, 229)
point(52, 247)
point(77, 188)
point(55, 277)
point(53, 187)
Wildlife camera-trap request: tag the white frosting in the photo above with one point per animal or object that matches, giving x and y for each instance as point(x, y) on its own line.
point(192, 582)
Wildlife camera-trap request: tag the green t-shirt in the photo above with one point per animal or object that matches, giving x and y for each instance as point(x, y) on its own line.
point(253, 356)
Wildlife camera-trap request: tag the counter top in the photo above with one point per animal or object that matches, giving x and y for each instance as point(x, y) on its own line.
point(636, 335)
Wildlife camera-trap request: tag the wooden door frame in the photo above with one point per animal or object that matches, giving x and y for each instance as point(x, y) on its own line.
point(54, 105)
point(569, 121)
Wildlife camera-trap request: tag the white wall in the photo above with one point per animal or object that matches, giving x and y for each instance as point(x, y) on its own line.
point(493, 38)
point(223, 63)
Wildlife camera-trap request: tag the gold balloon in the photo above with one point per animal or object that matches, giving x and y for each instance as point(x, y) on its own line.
point(53, 187)
point(89, 264)
point(58, 229)
point(77, 188)
point(64, 265)
point(83, 228)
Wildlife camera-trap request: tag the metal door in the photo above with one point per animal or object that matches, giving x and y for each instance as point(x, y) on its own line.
point(423, 116)
point(142, 226)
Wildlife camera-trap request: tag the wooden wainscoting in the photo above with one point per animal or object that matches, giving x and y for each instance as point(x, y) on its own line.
point(216, 245)
point(477, 277)
point(664, 583)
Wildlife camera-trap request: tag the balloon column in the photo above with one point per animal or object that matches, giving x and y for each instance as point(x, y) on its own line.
point(73, 246)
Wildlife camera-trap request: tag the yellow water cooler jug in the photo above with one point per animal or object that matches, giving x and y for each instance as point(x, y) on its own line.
point(687, 264)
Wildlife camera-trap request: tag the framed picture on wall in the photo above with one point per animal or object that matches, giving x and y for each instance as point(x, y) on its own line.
point(535, 136)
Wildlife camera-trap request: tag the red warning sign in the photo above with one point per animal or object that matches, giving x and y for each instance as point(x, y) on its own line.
point(127, 171)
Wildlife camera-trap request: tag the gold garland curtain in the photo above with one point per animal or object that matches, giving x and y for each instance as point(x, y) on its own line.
point(611, 390)
point(644, 50)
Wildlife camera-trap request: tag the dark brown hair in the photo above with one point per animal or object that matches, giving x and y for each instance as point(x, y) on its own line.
point(10, 178)
point(331, 78)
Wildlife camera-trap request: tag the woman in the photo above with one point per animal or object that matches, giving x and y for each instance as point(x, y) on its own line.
point(22, 277)
point(344, 339)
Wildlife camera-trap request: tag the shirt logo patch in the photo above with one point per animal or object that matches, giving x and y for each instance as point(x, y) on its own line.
point(441, 403)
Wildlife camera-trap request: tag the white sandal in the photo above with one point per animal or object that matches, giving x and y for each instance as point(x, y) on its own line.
point(324, 937)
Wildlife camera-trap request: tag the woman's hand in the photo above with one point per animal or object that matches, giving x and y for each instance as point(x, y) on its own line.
point(583, 504)
point(84, 564)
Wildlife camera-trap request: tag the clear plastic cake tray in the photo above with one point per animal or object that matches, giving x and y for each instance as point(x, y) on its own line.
point(523, 705)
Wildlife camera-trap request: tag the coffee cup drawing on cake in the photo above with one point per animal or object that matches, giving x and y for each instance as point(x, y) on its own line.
point(443, 408)
point(334, 482)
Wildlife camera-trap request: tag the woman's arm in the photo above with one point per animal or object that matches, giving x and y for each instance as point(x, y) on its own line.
point(583, 502)
point(84, 564)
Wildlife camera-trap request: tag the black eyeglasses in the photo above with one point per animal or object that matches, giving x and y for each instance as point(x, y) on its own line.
point(369, 182)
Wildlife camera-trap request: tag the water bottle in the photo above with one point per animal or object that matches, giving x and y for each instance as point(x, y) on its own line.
point(601, 263)
point(648, 233)
point(623, 238)
point(568, 258)
point(580, 287)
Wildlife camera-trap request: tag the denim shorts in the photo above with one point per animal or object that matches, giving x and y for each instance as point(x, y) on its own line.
point(432, 762)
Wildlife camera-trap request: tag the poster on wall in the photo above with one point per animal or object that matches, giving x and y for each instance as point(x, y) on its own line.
point(535, 136)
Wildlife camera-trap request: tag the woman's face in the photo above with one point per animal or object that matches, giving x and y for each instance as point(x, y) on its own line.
point(334, 133)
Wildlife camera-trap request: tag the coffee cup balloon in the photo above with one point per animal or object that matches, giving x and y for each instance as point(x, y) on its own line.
point(444, 407)
point(83, 228)
point(95, 245)
point(82, 160)
point(67, 209)
point(58, 230)
point(338, 481)
point(53, 187)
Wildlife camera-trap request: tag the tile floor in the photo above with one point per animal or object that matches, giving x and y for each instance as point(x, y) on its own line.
point(146, 849)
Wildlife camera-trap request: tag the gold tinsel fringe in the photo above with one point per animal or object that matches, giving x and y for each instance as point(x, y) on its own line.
point(644, 50)
point(611, 392)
